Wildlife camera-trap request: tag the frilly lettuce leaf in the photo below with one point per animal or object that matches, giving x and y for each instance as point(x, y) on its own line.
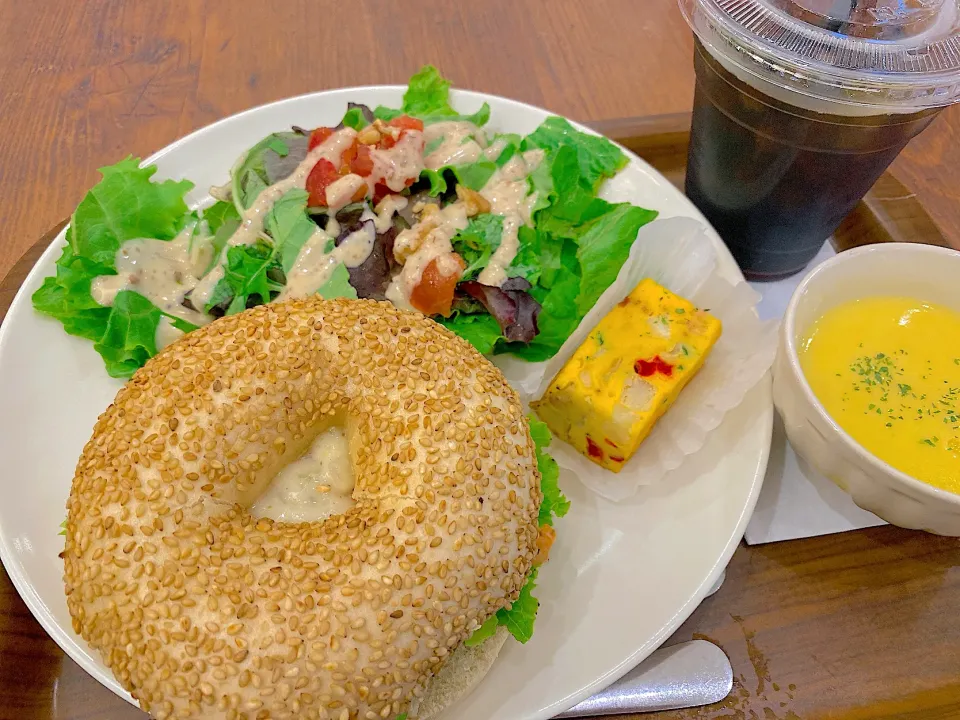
point(598, 158)
point(428, 98)
point(479, 329)
point(554, 503)
point(519, 617)
point(576, 249)
point(126, 204)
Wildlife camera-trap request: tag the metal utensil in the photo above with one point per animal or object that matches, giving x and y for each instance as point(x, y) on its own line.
point(680, 676)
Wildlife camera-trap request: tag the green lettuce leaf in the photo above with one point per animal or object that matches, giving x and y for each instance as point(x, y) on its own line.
point(538, 257)
point(381, 112)
point(353, 118)
point(575, 252)
point(220, 214)
point(519, 618)
point(125, 204)
point(338, 285)
point(67, 297)
point(598, 158)
point(130, 338)
point(604, 246)
point(428, 98)
point(427, 93)
point(511, 146)
point(477, 242)
point(554, 503)
point(484, 632)
point(472, 175)
point(290, 226)
point(480, 330)
point(222, 221)
point(246, 282)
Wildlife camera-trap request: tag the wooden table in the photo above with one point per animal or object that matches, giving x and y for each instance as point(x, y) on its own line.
point(859, 625)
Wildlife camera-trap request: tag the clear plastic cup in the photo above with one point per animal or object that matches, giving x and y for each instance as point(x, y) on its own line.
point(800, 106)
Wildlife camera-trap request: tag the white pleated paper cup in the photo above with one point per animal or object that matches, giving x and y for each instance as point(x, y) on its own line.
point(678, 254)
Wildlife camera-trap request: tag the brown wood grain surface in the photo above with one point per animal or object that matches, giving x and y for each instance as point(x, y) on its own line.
point(859, 625)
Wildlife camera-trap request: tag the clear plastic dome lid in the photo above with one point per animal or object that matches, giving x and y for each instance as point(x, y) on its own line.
point(900, 55)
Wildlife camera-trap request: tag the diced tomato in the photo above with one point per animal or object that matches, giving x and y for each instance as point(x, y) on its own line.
point(405, 122)
point(387, 141)
point(347, 157)
point(359, 194)
point(433, 295)
point(380, 191)
point(362, 162)
point(318, 137)
point(322, 175)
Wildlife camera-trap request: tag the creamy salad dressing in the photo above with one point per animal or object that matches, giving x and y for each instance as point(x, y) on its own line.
point(254, 216)
point(313, 487)
point(398, 164)
point(507, 192)
point(415, 247)
point(166, 333)
point(460, 142)
point(315, 263)
point(163, 271)
point(340, 192)
point(388, 207)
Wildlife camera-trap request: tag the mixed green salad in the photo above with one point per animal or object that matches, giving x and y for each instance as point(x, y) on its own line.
point(499, 237)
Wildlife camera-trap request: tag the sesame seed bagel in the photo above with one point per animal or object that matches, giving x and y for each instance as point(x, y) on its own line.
point(203, 611)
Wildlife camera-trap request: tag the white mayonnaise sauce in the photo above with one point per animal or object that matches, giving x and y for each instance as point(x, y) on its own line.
point(314, 264)
point(313, 487)
point(166, 333)
point(415, 247)
point(340, 192)
point(253, 217)
point(506, 191)
point(163, 271)
point(388, 207)
point(395, 166)
point(332, 227)
point(495, 149)
point(460, 142)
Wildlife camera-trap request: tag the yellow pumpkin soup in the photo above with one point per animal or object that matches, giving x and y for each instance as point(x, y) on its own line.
point(887, 370)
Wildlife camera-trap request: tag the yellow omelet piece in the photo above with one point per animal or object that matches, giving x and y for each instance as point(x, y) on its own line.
point(627, 373)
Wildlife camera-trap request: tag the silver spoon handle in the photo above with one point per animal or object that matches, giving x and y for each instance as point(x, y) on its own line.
point(686, 675)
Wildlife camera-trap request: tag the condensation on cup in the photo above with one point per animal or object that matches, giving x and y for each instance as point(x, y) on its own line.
point(800, 106)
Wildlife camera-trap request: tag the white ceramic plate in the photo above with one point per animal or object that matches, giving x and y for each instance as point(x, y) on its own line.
point(621, 577)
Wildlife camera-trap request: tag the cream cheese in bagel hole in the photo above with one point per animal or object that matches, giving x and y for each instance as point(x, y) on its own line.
point(202, 610)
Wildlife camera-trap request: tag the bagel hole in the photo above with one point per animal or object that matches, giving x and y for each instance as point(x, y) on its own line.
point(313, 487)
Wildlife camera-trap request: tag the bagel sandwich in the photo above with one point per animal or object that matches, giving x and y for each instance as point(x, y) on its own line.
point(393, 605)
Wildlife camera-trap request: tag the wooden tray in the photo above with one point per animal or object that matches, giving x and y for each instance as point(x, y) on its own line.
point(812, 568)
